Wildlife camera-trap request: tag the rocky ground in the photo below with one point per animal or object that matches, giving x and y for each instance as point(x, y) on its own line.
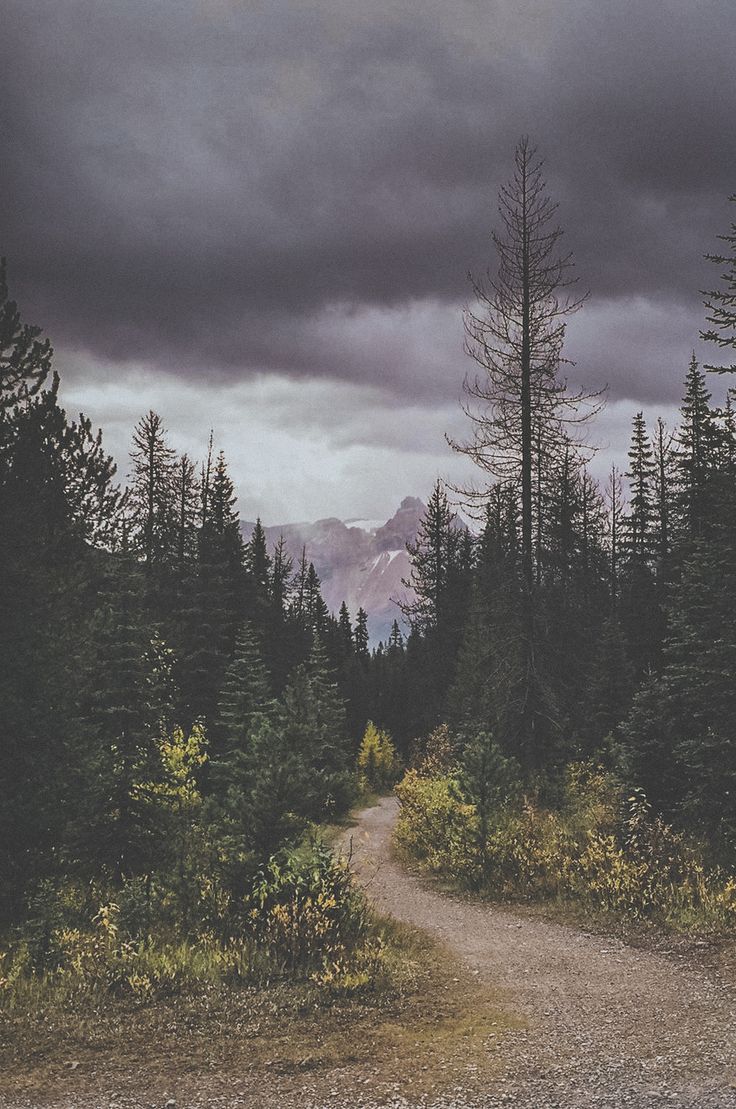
point(512, 1010)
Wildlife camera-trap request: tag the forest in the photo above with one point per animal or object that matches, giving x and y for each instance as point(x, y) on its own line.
point(181, 713)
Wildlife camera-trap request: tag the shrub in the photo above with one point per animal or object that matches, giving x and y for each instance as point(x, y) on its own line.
point(302, 919)
point(436, 827)
point(305, 910)
point(378, 761)
point(601, 848)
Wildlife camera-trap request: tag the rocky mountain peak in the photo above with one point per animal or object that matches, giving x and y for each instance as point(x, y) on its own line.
point(361, 562)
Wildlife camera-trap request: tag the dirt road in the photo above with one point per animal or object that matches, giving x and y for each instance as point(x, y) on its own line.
point(606, 1025)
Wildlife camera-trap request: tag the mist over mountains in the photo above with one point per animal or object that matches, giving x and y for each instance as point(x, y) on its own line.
point(361, 562)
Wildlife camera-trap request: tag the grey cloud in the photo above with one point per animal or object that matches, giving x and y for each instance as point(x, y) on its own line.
point(224, 189)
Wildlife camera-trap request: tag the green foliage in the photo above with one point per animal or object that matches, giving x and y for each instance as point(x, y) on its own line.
point(302, 918)
point(720, 304)
point(602, 848)
point(305, 910)
point(487, 780)
point(378, 760)
point(435, 826)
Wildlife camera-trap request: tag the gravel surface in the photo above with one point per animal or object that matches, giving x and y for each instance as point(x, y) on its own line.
point(607, 1025)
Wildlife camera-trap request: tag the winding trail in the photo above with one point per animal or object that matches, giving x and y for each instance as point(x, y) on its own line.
point(606, 1024)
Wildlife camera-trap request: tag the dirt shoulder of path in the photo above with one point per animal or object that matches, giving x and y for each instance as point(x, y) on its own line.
point(429, 1029)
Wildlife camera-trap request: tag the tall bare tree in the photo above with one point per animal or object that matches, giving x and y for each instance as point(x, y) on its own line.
point(519, 404)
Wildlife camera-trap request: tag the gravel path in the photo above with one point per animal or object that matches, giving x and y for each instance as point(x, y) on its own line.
point(607, 1025)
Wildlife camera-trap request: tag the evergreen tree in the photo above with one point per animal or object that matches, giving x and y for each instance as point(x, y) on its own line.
point(281, 573)
point(25, 358)
point(615, 498)
point(395, 639)
point(245, 691)
point(433, 556)
point(216, 604)
point(258, 563)
point(315, 726)
point(152, 489)
point(187, 507)
point(346, 630)
point(697, 452)
point(127, 697)
point(664, 482)
point(361, 634)
point(720, 304)
point(678, 741)
point(641, 503)
point(609, 689)
point(488, 780)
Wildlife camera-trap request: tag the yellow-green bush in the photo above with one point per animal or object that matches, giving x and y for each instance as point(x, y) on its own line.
point(378, 761)
point(601, 848)
point(303, 919)
point(435, 827)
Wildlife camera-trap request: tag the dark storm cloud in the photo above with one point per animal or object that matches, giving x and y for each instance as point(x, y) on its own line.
point(226, 188)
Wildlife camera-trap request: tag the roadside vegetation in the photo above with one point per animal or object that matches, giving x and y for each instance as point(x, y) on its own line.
point(588, 842)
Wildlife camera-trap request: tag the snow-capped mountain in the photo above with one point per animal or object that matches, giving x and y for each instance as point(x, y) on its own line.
point(361, 562)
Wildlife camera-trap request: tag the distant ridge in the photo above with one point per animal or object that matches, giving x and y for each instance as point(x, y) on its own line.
point(359, 561)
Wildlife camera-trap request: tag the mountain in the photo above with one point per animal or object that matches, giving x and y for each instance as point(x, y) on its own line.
point(361, 562)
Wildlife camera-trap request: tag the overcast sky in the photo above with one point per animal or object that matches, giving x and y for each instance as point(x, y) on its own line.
point(260, 216)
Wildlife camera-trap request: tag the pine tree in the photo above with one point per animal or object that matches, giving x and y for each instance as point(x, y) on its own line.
point(258, 564)
point(187, 508)
point(697, 452)
point(488, 780)
point(315, 611)
point(615, 499)
point(216, 604)
point(720, 304)
point(433, 557)
point(245, 690)
point(361, 634)
point(25, 358)
point(641, 479)
point(152, 488)
point(127, 695)
point(664, 483)
point(281, 572)
point(315, 725)
point(395, 639)
point(677, 742)
point(609, 689)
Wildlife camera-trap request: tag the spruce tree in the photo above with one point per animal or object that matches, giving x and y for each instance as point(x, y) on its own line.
point(245, 690)
point(697, 452)
point(677, 742)
point(258, 565)
point(315, 726)
point(152, 490)
point(25, 358)
point(640, 521)
point(126, 701)
point(361, 634)
point(720, 304)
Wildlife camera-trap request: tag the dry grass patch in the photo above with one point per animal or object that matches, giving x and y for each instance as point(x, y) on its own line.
point(426, 1027)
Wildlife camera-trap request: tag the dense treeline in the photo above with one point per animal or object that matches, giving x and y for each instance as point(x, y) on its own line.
point(162, 680)
point(578, 623)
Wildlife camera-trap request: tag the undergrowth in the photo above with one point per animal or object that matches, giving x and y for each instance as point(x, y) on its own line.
point(302, 920)
point(601, 848)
